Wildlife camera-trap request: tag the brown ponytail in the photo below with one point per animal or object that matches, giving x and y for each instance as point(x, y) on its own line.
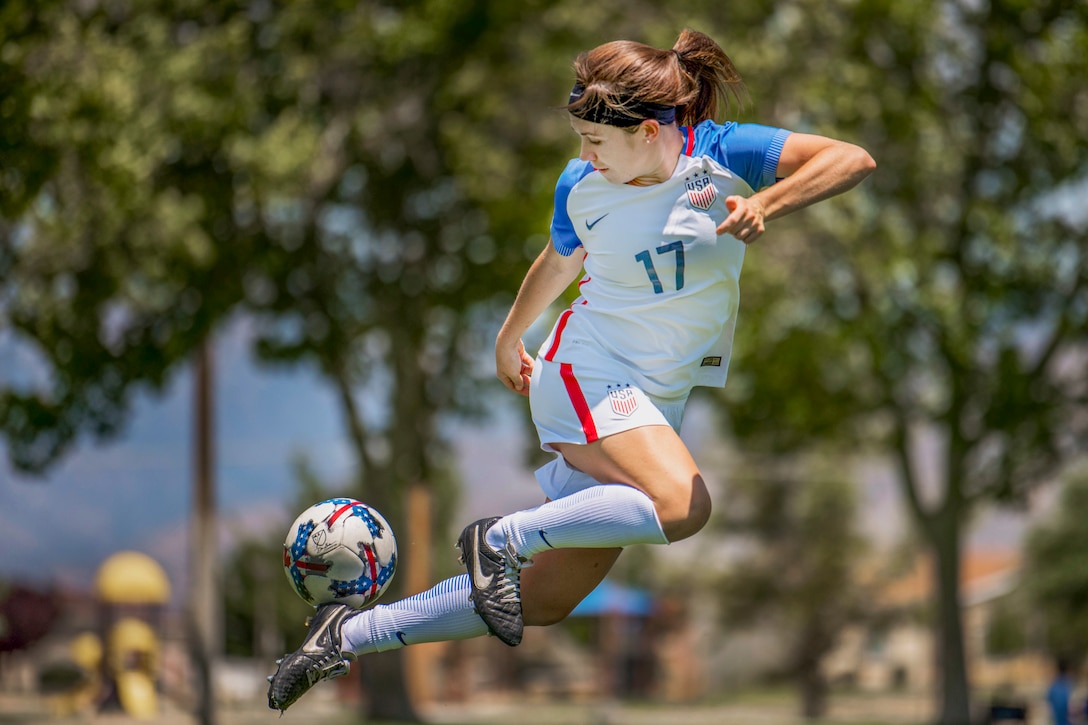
point(695, 76)
point(716, 78)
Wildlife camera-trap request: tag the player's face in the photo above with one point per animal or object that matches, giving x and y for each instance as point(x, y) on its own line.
point(621, 157)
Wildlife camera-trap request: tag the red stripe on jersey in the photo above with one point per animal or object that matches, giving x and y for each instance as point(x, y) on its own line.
point(578, 400)
point(689, 135)
point(558, 334)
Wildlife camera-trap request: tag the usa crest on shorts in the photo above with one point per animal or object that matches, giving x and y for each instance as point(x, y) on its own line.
point(701, 191)
point(623, 401)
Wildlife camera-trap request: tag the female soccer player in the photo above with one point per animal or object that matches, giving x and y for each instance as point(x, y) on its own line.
point(655, 215)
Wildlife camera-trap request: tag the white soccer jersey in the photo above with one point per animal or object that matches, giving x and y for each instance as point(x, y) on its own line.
point(661, 287)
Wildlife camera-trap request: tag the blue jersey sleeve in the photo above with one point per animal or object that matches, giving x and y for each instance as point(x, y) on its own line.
point(749, 150)
point(564, 237)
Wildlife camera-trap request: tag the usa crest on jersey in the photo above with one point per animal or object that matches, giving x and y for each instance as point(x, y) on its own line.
point(701, 191)
point(623, 401)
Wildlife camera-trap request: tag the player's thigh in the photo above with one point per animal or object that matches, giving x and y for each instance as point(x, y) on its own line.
point(655, 460)
point(559, 579)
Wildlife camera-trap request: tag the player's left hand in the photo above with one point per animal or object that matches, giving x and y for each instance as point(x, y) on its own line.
point(746, 219)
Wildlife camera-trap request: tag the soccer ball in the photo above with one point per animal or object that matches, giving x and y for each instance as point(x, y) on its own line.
point(340, 550)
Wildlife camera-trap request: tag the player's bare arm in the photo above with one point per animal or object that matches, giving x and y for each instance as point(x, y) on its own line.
point(812, 168)
point(550, 274)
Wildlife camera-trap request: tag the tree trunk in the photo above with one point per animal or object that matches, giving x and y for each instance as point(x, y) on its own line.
point(387, 697)
point(951, 658)
point(386, 675)
point(814, 692)
point(417, 578)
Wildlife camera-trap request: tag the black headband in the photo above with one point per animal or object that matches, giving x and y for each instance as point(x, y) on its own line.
point(633, 113)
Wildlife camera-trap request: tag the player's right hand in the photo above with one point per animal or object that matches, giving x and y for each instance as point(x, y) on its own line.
point(746, 220)
point(514, 366)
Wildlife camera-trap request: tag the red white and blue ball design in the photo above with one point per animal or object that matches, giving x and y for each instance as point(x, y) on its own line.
point(340, 550)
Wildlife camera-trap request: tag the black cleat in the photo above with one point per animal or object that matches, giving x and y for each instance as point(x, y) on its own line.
point(496, 581)
point(319, 658)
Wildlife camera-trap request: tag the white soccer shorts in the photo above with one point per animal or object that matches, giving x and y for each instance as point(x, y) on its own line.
point(582, 402)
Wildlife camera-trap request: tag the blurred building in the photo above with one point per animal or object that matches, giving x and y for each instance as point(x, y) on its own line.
point(896, 652)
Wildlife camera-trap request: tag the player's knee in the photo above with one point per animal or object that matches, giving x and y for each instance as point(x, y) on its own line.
point(545, 615)
point(684, 518)
point(700, 509)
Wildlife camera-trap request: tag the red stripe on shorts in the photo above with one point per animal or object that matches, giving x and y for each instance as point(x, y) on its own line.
point(550, 355)
point(578, 400)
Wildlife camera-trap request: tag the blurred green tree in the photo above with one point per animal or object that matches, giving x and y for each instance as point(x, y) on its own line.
point(124, 232)
point(1055, 577)
point(123, 237)
point(937, 315)
point(1008, 630)
point(802, 572)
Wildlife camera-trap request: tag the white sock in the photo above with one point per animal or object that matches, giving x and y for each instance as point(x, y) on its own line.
point(598, 517)
point(441, 613)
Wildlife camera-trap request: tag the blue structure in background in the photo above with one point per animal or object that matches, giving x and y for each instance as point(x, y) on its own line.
point(615, 599)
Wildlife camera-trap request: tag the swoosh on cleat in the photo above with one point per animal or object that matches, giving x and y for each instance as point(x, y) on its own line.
point(479, 579)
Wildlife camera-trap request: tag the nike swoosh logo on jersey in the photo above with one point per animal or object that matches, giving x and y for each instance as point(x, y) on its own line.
point(590, 225)
point(479, 579)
